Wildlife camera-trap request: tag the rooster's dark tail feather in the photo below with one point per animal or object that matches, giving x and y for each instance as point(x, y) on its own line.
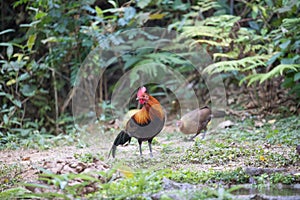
point(121, 139)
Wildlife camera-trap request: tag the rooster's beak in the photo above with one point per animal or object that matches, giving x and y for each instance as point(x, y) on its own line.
point(137, 98)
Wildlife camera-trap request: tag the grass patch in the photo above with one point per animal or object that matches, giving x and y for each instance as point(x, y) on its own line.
point(283, 131)
point(122, 183)
point(39, 140)
point(256, 155)
point(9, 176)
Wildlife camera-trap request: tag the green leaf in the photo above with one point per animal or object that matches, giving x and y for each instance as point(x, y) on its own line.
point(40, 15)
point(11, 82)
point(254, 11)
point(179, 5)
point(31, 24)
point(13, 193)
point(113, 3)
point(17, 103)
point(99, 11)
point(50, 39)
point(131, 61)
point(23, 76)
point(285, 44)
point(143, 3)
point(5, 119)
point(28, 90)
point(35, 185)
point(274, 58)
point(7, 31)
point(287, 61)
point(297, 76)
point(9, 51)
point(22, 131)
point(31, 41)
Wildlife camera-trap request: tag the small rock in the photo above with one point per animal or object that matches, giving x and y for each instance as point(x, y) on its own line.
point(169, 184)
point(89, 189)
point(258, 124)
point(297, 186)
point(226, 124)
point(298, 149)
point(66, 169)
point(267, 145)
point(73, 165)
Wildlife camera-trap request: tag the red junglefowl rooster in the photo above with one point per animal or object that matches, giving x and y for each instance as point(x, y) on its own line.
point(144, 125)
point(195, 121)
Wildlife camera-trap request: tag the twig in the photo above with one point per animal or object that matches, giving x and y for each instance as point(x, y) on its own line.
point(55, 91)
point(56, 102)
point(67, 101)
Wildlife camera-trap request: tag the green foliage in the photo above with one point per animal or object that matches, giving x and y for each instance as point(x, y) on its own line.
point(87, 157)
point(13, 193)
point(211, 177)
point(41, 54)
point(37, 140)
point(259, 47)
point(28, 79)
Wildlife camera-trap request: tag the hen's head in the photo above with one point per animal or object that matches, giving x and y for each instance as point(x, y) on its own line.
point(142, 96)
point(179, 124)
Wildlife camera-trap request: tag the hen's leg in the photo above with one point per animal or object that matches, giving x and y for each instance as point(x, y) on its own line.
point(203, 136)
point(204, 133)
point(193, 137)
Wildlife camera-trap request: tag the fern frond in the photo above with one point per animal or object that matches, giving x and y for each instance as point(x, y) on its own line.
point(240, 65)
point(279, 69)
point(204, 31)
point(231, 55)
point(251, 79)
point(212, 43)
point(225, 21)
point(208, 5)
point(291, 24)
point(147, 67)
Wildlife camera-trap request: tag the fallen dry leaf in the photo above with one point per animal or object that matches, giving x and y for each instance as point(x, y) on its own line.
point(25, 158)
point(272, 121)
point(262, 158)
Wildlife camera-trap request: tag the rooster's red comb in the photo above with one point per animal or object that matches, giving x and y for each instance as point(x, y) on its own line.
point(141, 91)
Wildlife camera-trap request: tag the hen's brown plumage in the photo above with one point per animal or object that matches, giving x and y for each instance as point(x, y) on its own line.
point(195, 121)
point(144, 125)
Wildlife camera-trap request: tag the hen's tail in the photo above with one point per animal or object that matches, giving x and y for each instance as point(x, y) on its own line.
point(121, 139)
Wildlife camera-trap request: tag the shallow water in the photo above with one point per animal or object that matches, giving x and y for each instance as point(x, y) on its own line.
point(268, 192)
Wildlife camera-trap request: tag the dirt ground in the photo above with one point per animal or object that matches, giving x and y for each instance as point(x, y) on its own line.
point(63, 160)
point(31, 160)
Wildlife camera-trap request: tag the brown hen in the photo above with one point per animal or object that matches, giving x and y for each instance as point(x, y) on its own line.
point(195, 121)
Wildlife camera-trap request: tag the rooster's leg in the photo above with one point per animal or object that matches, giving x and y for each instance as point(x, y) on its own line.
point(140, 146)
point(150, 147)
